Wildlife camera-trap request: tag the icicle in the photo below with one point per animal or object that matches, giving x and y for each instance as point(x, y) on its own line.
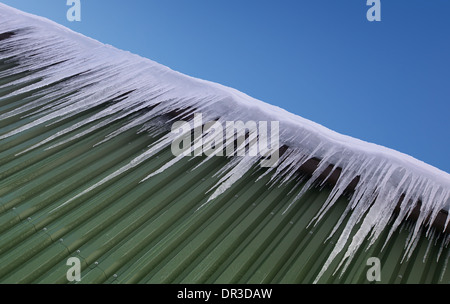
point(444, 269)
point(242, 167)
point(155, 148)
point(430, 242)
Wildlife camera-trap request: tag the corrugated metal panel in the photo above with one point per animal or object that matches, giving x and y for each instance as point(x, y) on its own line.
point(125, 231)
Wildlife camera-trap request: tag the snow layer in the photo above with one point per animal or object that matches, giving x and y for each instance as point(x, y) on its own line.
point(94, 73)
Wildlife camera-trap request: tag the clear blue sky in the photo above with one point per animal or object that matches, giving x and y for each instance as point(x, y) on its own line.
point(385, 82)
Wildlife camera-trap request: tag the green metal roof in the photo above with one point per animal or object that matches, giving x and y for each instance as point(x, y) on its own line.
point(127, 231)
point(69, 196)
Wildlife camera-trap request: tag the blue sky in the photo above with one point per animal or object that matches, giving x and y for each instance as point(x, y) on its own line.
point(385, 82)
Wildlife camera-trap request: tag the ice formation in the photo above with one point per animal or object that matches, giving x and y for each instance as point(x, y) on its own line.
point(75, 74)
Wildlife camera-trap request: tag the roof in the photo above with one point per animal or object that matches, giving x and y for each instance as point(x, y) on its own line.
point(78, 164)
point(151, 232)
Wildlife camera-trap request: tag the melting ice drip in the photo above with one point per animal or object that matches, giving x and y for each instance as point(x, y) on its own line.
point(75, 74)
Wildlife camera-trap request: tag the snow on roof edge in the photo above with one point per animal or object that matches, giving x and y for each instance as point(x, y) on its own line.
point(265, 110)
